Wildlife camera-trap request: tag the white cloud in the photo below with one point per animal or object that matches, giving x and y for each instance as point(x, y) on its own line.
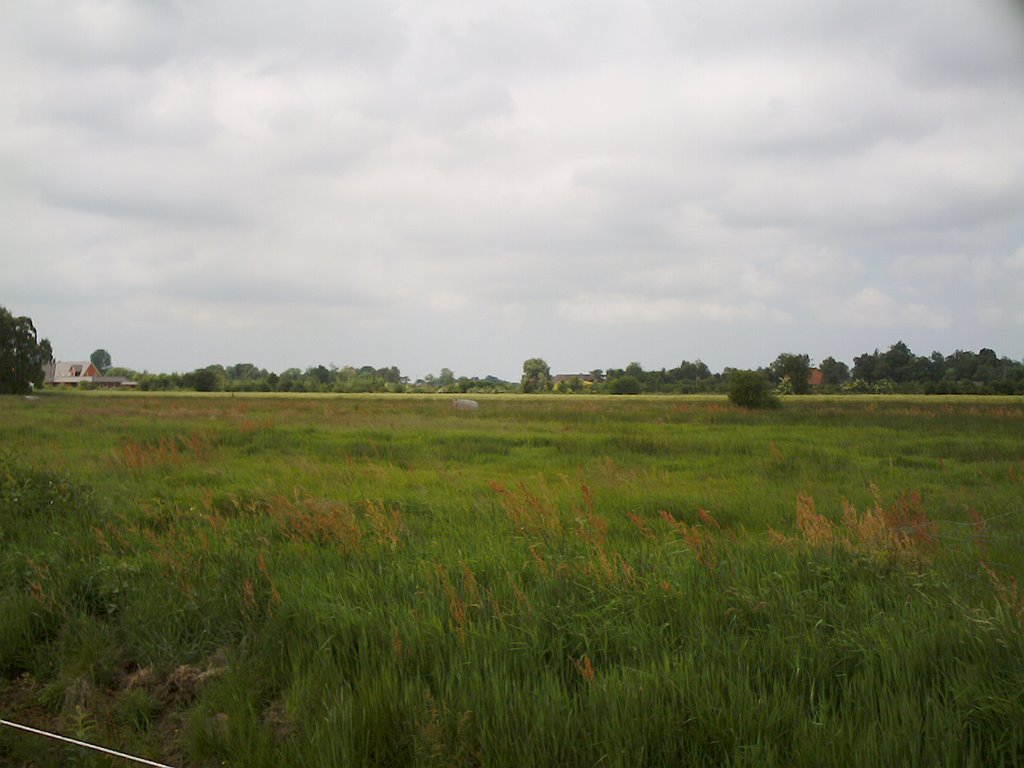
point(1016, 261)
point(998, 316)
point(613, 309)
point(873, 308)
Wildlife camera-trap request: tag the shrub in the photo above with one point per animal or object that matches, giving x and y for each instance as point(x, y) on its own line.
point(207, 380)
point(749, 389)
point(861, 387)
point(625, 385)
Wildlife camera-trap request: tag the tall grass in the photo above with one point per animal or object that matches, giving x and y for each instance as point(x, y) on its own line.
point(549, 581)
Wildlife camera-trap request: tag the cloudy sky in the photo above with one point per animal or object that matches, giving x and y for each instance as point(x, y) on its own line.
point(469, 183)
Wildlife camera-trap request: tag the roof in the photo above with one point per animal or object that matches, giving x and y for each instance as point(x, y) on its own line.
point(63, 372)
point(74, 368)
point(558, 378)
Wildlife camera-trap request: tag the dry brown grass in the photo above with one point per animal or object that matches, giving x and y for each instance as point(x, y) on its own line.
point(167, 451)
point(900, 531)
point(699, 538)
point(529, 513)
point(585, 668)
point(316, 520)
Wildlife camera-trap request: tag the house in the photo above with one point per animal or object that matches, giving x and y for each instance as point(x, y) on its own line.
point(63, 374)
point(114, 382)
point(815, 378)
point(69, 374)
point(572, 382)
point(562, 377)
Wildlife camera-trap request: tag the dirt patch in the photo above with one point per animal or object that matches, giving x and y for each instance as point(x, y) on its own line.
point(278, 721)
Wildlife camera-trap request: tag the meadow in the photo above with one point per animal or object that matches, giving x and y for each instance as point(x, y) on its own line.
point(340, 580)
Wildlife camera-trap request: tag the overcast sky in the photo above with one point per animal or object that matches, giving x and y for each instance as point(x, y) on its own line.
point(469, 184)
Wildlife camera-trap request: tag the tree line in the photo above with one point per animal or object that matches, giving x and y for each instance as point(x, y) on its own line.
point(896, 370)
point(246, 377)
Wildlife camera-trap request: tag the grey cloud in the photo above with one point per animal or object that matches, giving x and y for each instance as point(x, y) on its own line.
point(444, 110)
point(953, 45)
point(708, 174)
point(258, 291)
point(152, 207)
point(137, 35)
point(364, 33)
point(77, 36)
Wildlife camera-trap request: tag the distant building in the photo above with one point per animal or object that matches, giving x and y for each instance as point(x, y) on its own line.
point(816, 378)
point(560, 377)
point(114, 382)
point(573, 382)
point(63, 374)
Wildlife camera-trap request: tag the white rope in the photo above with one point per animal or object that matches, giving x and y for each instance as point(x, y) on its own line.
point(76, 742)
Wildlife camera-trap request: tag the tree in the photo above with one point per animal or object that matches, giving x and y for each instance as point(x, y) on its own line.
point(625, 385)
point(209, 379)
point(245, 372)
point(21, 355)
point(867, 367)
point(390, 375)
point(936, 366)
point(101, 359)
point(321, 374)
point(897, 363)
point(834, 373)
point(569, 386)
point(794, 368)
point(749, 389)
point(694, 371)
point(536, 376)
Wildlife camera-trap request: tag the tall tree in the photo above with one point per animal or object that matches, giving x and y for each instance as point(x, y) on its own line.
point(21, 356)
point(794, 368)
point(208, 379)
point(46, 351)
point(101, 359)
point(867, 367)
point(635, 370)
point(897, 363)
point(536, 376)
point(834, 372)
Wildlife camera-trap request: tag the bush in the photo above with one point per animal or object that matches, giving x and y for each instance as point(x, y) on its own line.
point(625, 385)
point(207, 380)
point(749, 389)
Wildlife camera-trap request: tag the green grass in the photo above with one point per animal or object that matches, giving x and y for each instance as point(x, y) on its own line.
point(378, 580)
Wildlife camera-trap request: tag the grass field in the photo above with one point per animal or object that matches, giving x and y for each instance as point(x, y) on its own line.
point(547, 581)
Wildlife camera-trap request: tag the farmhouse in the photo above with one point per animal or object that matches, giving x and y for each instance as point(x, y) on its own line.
point(69, 374)
point(63, 374)
point(583, 377)
point(573, 382)
point(114, 382)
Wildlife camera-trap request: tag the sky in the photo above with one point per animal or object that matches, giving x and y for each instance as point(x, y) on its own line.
point(471, 184)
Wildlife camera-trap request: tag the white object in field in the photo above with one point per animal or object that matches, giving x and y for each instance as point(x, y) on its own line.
point(465, 405)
